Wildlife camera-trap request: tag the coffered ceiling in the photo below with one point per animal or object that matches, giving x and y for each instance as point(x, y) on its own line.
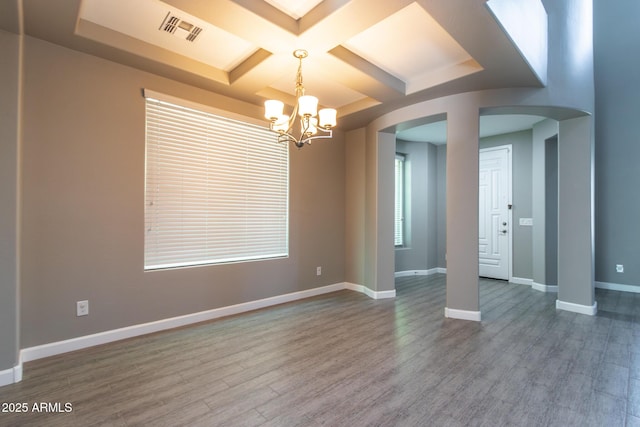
point(365, 56)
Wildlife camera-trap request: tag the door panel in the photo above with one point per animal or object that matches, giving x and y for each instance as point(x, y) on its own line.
point(493, 213)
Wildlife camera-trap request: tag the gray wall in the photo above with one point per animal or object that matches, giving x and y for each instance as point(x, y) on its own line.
point(83, 219)
point(354, 207)
point(521, 196)
point(427, 247)
point(617, 150)
point(542, 240)
point(420, 250)
point(9, 198)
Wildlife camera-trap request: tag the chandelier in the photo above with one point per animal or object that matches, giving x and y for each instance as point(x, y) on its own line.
point(314, 124)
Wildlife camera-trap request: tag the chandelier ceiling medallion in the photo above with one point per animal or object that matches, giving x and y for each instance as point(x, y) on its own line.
point(314, 124)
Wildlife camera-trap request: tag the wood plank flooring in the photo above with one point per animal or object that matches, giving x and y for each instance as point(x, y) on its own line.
point(343, 359)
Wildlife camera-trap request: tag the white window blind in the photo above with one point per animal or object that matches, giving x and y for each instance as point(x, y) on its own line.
point(399, 202)
point(216, 189)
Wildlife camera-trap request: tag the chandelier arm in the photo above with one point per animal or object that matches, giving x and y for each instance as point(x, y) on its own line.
point(286, 137)
point(328, 135)
point(311, 138)
point(292, 119)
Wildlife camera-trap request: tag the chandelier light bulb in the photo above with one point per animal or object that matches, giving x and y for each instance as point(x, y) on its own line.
point(308, 106)
point(281, 124)
point(327, 117)
point(312, 126)
point(273, 109)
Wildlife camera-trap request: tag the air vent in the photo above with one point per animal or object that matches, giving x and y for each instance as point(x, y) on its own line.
point(170, 24)
point(194, 33)
point(174, 25)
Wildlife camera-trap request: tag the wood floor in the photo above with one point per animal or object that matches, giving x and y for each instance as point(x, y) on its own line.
point(343, 359)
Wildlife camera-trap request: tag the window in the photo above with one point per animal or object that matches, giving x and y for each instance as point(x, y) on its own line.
point(216, 188)
point(399, 201)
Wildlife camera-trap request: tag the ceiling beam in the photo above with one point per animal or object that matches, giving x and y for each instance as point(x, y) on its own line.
point(344, 22)
point(385, 80)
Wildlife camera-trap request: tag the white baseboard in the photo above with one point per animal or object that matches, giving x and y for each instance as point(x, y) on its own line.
point(6, 377)
point(577, 308)
point(618, 287)
point(601, 285)
point(521, 281)
point(369, 292)
point(10, 376)
point(428, 272)
point(453, 313)
point(408, 273)
point(51, 349)
point(544, 288)
point(17, 372)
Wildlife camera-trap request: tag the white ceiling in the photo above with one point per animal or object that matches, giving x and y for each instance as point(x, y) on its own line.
point(436, 133)
point(294, 8)
point(365, 57)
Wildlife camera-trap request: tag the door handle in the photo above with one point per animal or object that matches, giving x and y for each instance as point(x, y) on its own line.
point(503, 231)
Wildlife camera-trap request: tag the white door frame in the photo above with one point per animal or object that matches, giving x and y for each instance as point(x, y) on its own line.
point(510, 202)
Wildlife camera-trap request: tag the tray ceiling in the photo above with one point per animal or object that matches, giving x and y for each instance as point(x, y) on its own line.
point(364, 56)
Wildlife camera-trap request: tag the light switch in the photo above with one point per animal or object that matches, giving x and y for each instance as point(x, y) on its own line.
point(526, 221)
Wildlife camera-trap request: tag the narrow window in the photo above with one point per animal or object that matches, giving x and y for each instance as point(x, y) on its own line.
point(216, 188)
point(399, 227)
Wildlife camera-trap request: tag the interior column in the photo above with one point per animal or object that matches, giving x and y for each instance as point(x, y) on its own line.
point(463, 298)
point(379, 197)
point(575, 217)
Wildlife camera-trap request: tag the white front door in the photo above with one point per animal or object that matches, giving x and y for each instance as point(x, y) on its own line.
point(494, 212)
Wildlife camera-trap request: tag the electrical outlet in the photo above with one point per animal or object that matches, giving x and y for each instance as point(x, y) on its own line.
point(318, 271)
point(619, 268)
point(82, 308)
